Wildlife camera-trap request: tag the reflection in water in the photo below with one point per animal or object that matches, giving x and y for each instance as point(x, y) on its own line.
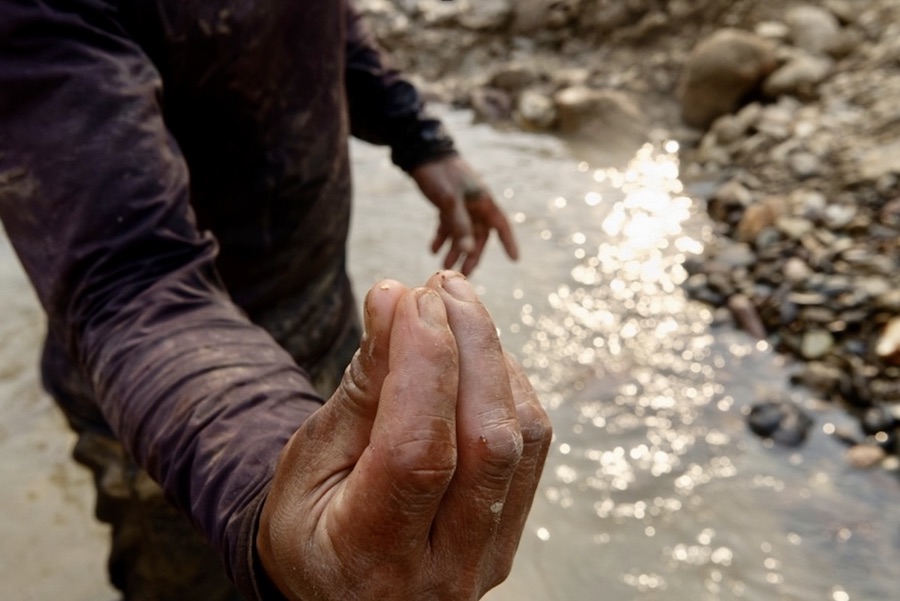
point(622, 312)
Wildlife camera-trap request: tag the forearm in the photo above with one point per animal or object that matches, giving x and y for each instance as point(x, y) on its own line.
point(205, 401)
point(94, 197)
point(385, 108)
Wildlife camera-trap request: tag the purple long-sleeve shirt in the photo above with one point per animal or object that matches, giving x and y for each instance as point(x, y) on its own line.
point(168, 171)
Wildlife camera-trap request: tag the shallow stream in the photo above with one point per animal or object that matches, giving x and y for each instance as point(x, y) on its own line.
point(654, 488)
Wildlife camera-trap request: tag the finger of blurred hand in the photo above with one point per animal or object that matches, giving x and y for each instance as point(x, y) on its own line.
point(489, 443)
point(461, 223)
point(393, 493)
point(497, 220)
point(473, 258)
point(440, 237)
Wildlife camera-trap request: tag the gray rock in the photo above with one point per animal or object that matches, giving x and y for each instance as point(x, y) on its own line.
point(865, 456)
point(734, 194)
point(794, 227)
point(605, 16)
point(805, 165)
point(481, 15)
point(888, 345)
point(720, 72)
point(747, 317)
point(889, 301)
point(536, 110)
point(839, 216)
point(491, 105)
point(815, 344)
point(757, 217)
point(811, 203)
point(820, 376)
point(734, 256)
point(607, 116)
point(438, 12)
point(796, 270)
point(812, 28)
point(773, 30)
point(798, 77)
point(531, 16)
point(514, 77)
point(777, 120)
point(780, 421)
point(877, 162)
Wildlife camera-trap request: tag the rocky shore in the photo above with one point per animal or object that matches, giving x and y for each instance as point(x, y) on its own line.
point(789, 121)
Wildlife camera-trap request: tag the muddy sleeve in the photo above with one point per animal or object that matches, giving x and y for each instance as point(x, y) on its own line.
point(385, 108)
point(94, 198)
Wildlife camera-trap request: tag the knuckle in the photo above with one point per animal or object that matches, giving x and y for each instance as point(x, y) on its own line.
point(534, 423)
point(422, 464)
point(500, 448)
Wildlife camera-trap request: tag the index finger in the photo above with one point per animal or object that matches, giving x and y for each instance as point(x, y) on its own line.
point(497, 220)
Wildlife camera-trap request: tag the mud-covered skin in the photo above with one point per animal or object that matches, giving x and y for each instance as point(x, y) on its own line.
point(129, 131)
point(418, 474)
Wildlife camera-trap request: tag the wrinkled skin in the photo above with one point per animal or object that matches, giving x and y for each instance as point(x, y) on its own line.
point(415, 479)
point(468, 212)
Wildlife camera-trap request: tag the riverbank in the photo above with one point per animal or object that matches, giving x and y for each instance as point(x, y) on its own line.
point(789, 131)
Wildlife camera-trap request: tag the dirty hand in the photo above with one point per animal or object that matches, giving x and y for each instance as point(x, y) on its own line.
point(415, 479)
point(468, 213)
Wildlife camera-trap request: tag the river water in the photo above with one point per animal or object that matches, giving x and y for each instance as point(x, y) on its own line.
point(654, 488)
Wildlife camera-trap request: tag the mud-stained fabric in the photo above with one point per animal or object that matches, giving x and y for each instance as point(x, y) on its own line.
point(172, 176)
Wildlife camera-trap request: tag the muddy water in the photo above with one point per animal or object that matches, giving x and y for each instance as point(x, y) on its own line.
point(653, 489)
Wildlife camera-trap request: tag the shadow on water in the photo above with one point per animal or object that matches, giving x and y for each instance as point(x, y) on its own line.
point(654, 488)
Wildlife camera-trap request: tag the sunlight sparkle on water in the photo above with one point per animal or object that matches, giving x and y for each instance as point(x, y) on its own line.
point(622, 313)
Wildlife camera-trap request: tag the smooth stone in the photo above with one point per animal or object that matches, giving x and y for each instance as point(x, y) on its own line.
point(783, 422)
point(816, 344)
point(865, 456)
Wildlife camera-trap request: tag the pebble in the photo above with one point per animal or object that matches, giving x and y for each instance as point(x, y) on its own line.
point(799, 77)
point(794, 227)
point(781, 421)
point(838, 217)
point(805, 165)
point(865, 456)
point(816, 344)
point(812, 28)
point(536, 110)
point(745, 314)
point(888, 345)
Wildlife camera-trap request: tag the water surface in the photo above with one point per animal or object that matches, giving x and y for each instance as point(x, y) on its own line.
point(653, 489)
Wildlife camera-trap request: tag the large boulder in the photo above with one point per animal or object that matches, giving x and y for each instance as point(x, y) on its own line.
point(721, 72)
point(606, 119)
point(813, 29)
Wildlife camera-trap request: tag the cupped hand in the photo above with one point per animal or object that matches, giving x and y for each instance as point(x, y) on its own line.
point(415, 479)
point(468, 212)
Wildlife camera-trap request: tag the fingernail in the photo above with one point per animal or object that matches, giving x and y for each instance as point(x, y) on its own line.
point(459, 288)
point(431, 308)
